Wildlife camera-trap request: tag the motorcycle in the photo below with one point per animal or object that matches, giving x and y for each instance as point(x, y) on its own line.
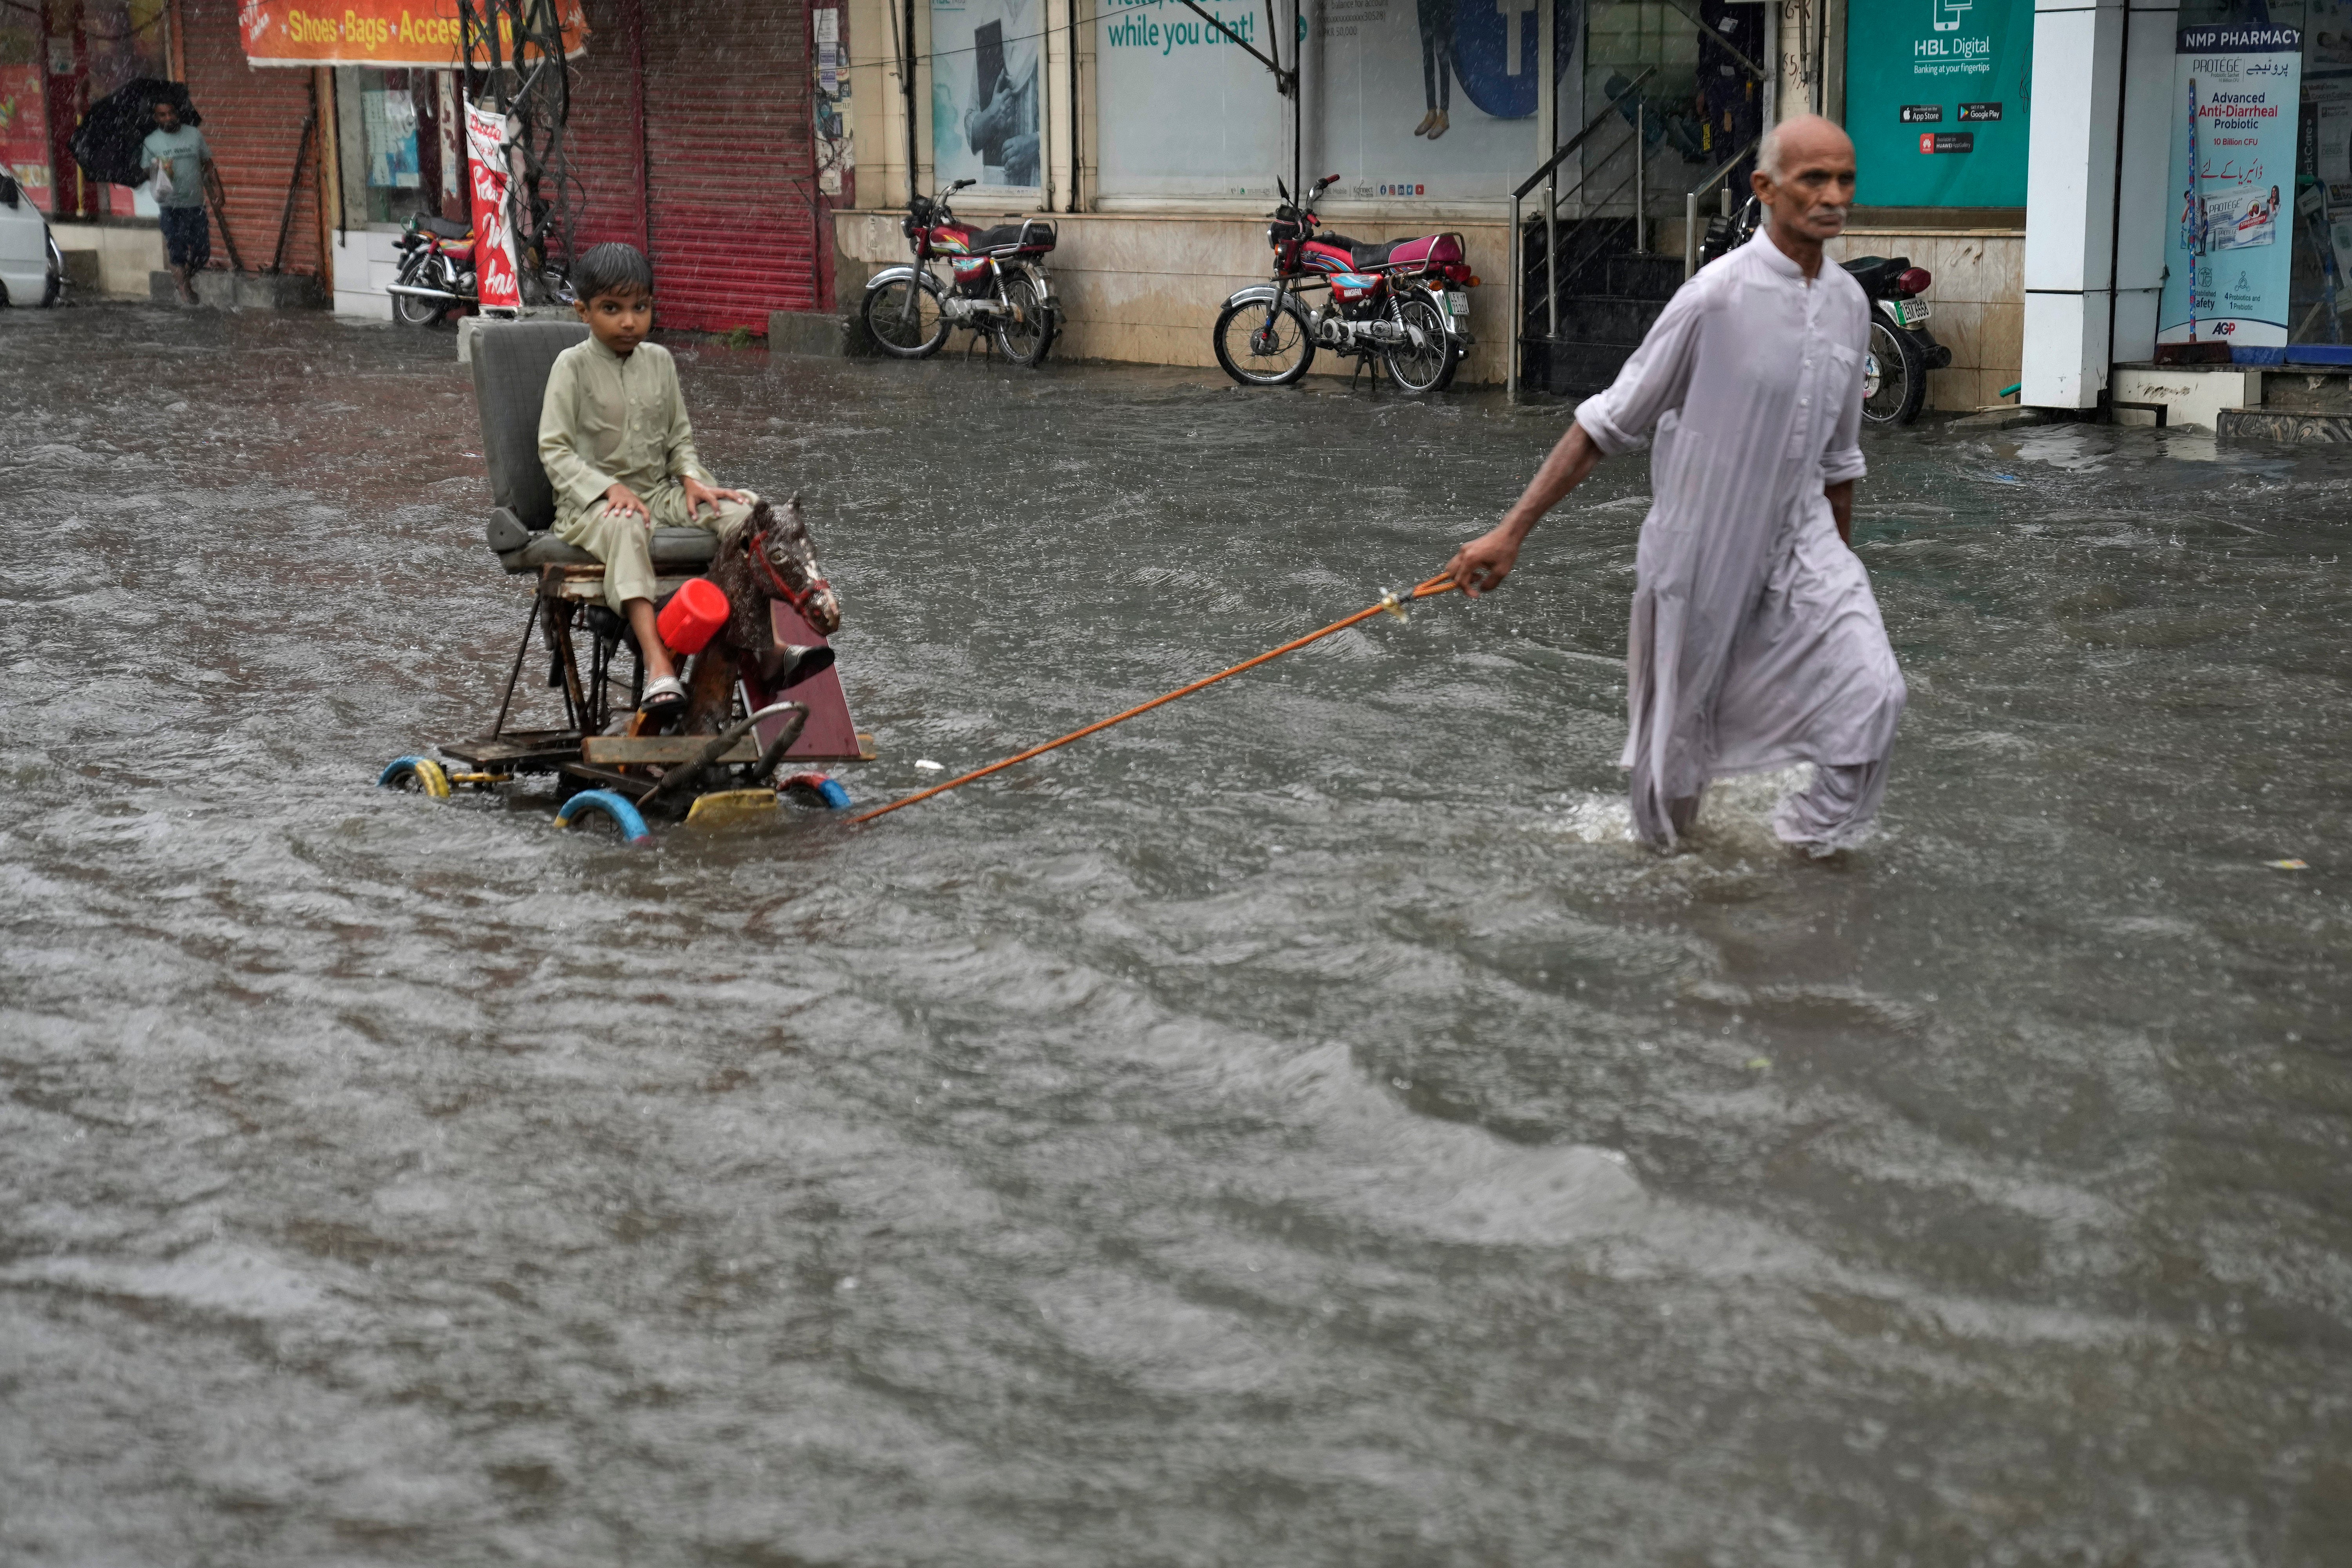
point(436, 270)
point(1404, 303)
point(1902, 349)
point(436, 273)
point(996, 285)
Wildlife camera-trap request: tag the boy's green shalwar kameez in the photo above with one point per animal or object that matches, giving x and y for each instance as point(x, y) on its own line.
point(609, 418)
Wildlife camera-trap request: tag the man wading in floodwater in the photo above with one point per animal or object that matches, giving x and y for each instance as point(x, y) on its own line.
point(1755, 641)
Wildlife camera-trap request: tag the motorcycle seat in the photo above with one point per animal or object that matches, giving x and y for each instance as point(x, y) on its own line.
point(1876, 274)
point(445, 228)
point(1009, 236)
point(1360, 253)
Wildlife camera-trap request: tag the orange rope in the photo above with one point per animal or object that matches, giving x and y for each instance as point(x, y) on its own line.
point(1437, 584)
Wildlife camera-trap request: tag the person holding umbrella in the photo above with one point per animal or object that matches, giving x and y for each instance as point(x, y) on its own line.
point(182, 168)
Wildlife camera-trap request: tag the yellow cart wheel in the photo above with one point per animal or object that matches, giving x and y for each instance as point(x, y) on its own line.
point(417, 776)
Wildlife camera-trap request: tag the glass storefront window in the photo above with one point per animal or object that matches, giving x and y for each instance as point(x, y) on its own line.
point(394, 130)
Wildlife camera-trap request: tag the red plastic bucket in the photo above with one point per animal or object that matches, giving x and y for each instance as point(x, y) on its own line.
point(693, 615)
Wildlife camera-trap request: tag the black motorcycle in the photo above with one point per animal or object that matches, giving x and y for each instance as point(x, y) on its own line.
point(1902, 349)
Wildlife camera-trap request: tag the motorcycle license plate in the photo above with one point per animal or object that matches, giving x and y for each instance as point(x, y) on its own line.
point(1458, 303)
point(1910, 313)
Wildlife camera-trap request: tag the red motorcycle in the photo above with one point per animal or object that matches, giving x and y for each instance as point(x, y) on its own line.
point(996, 285)
point(1403, 302)
point(436, 270)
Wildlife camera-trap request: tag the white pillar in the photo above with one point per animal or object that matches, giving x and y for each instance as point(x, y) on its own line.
point(2142, 199)
point(2070, 201)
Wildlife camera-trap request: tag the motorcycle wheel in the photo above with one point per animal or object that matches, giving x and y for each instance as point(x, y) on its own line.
point(1027, 331)
point(1894, 376)
point(900, 329)
point(1262, 342)
point(412, 312)
point(1429, 365)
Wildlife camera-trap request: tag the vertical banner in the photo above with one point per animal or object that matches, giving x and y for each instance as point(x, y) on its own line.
point(984, 91)
point(494, 247)
point(2228, 254)
point(837, 154)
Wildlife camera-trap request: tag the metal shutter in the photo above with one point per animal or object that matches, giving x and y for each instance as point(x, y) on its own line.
point(253, 121)
point(605, 140)
point(730, 163)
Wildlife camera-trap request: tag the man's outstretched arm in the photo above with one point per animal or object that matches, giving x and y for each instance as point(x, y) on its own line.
point(1484, 562)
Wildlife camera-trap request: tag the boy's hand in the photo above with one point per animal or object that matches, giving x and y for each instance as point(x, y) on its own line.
point(623, 501)
point(699, 495)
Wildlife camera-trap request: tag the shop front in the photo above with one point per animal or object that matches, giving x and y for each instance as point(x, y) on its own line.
point(693, 136)
point(56, 58)
point(1937, 95)
point(1157, 133)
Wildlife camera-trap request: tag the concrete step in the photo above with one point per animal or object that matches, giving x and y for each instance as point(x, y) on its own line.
point(1571, 367)
point(1596, 319)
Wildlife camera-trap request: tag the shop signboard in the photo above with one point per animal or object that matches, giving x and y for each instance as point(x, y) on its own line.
point(495, 271)
point(984, 91)
point(1427, 100)
point(25, 130)
point(1938, 97)
point(386, 34)
point(2227, 251)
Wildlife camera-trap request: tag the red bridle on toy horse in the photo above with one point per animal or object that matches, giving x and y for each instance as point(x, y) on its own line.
point(769, 560)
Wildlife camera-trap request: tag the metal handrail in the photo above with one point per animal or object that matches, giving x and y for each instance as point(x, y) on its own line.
point(1518, 242)
point(1573, 142)
point(1690, 206)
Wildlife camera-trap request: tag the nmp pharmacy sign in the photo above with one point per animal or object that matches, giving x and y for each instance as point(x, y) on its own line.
point(1938, 98)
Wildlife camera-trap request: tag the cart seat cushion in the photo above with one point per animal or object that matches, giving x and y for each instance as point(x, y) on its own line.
point(511, 362)
point(674, 547)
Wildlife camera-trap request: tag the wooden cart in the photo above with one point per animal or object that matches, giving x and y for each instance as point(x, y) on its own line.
point(605, 770)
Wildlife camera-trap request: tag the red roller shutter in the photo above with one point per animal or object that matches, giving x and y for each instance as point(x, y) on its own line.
point(730, 166)
point(253, 121)
point(605, 140)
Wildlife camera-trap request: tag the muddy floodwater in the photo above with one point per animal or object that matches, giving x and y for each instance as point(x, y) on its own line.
point(1295, 1128)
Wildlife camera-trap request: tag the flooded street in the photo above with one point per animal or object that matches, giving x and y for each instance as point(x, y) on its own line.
point(1293, 1128)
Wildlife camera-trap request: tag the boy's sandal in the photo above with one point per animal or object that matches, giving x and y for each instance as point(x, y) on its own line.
point(664, 695)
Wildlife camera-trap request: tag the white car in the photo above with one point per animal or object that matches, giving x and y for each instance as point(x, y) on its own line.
point(31, 268)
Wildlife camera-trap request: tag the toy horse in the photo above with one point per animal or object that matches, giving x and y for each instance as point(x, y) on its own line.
point(766, 560)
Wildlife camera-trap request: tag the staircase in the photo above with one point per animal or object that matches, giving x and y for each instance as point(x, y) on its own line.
point(1609, 295)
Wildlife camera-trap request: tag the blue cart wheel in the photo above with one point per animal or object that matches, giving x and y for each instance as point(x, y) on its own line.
point(420, 776)
point(616, 808)
point(825, 792)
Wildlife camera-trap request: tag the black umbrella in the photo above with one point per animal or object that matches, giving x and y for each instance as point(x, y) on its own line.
point(106, 141)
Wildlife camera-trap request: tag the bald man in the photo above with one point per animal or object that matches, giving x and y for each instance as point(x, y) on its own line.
point(1755, 641)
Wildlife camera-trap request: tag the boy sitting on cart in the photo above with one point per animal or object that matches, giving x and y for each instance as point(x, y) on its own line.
point(619, 451)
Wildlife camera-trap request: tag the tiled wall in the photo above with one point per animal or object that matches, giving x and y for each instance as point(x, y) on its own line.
point(128, 255)
point(1978, 299)
point(1148, 288)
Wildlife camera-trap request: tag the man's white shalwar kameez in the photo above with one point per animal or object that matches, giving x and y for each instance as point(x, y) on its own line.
point(1756, 643)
